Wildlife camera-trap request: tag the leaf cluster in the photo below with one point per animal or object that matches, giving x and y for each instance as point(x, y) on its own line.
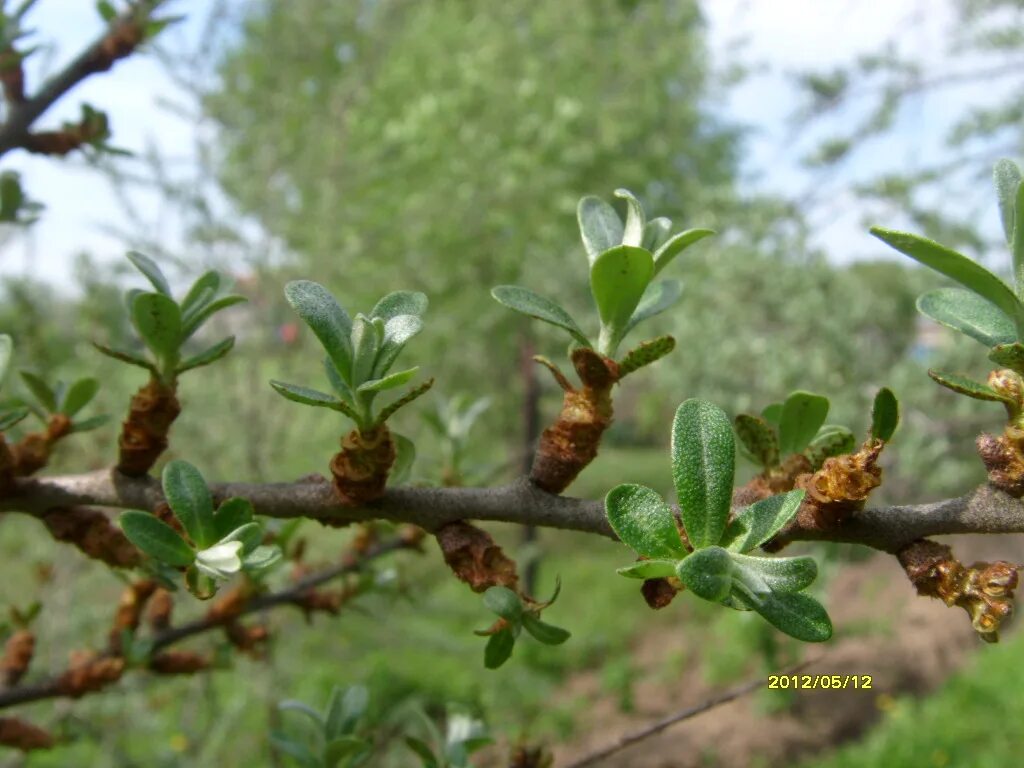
point(517, 615)
point(338, 741)
point(463, 736)
point(62, 398)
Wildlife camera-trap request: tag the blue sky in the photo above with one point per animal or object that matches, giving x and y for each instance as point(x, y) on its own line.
point(786, 35)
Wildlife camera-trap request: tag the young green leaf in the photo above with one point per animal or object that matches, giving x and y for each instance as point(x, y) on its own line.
point(405, 456)
point(250, 534)
point(344, 748)
point(9, 418)
point(1007, 178)
point(600, 226)
point(367, 336)
point(6, 350)
point(618, 279)
point(649, 569)
point(676, 245)
point(533, 305)
point(757, 523)
point(831, 440)
point(703, 465)
point(958, 267)
point(156, 538)
point(885, 415)
point(647, 352)
point(968, 313)
point(633, 232)
point(192, 323)
point(79, 395)
point(189, 499)
point(545, 633)
point(40, 390)
point(774, 574)
point(331, 324)
point(299, 752)
point(388, 382)
point(400, 303)
point(499, 648)
point(211, 355)
point(1017, 246)
point(231, 515)
point(967, 386)
point(125, 357)
point(656, 233)
point(397, 331)
point(158, 321)
point(772, 413)
point(643, 521)
point(86, 425)
point(1008, 356)
point(207, 284)
point(423, 752)
point(389, 410)
point(759, 438)
point(148, 267)
point(504, 602)
point(262, 558)
point(708, 573)
point(796, 614)
point(803, 414)
point(656, 299)
point(308, 396)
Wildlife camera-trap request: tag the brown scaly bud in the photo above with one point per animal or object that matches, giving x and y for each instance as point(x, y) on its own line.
point(1003, 457)
point(22, 735)
point(144, 433)
point(571, 443)
point(321, 601)
point(129, 611)
point(658, 592)
point(12, 75)
point(120, 41)
point(984, 590)
point(89, 672)
point(93, 533)
point(411, 536)
point(230, 604)
point(530, 757)
point(474, 557)
point(840, 487)
point(32, 452)
point(364, 538)
point(18, 652)
point(161, 605)
point(249, 640)
point(1010, 386)
point(361, 468)
point(179, 663)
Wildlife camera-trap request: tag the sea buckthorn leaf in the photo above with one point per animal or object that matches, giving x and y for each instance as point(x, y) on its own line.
point(708, 573)
point(261, 558)
point(400, 303)
point(423, 752)
point(618, 279)
point(885, 415)
point(158, 321)
point(967, 386)
point(643, 521)
point(194, 321)
point(545, 633)
point(1008, 356)
point(189, 499)
point(676, 245)
point(649, 569)
point(397, 332)
point(125, 357)
point(958, 267)
point(600, 226)
point(831, 440)
point(85, 425)
point(345, 709)
point(156, 538)
point(803, 413)
point(6, 350)
point(656, 233)
point(337, 383)
point(774, 574)
point(152, 272)
point(388, 382)
point(250, 534)
point(758, 522)
point(633, 232)
point(968, 313)
point(504, 602)
point(203, 290)
point(703, 466)
point(499, 648)
point(657, 297)
point(527, 302)
point(344, 748)
point(331, 324)
point(772, 413)
point(79, 395)
point(1017, 246)
point(207, 356)
point(797, 614)
point(1007, 179)
point(231, 515)
point(40, 390)
point(405, 456)
point(308, 396)
point(367, 336)
point(759, 438)
point(9, 418)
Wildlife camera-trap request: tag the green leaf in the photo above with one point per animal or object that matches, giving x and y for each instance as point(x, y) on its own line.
point(759, 438)
point(125, 357)
point(106, 10)
point(545, 633)
point(1017, 246)
point(345, 709)
point(1007, 179)
point(9, 418)
point(79, 395)
point(342, 748)
point(158, 321)
point(40, 390)
point(367, 336)
point(618, 279)
point(656, 233)
point(633, 232)
point(774, 574)
point(1008, 356)
point(231, 515)
point(195, 320)
point(337, 384)
point(646, 353)
point(211, 355)
point(958, 267)
point(707, 573)
point(331, 324)
point(649, 569)
point(292, 705)
point(796, 614)
point(803, 413)
point(499, 648)
point(967, 386)
point(6, 350)
point(207, 284)
point(300, 752)
point(400, 303)
point(423, 752)
point(504, 602)
point(656, 299)
point(772, 413)
point(676, 245)
point(643, 521)
point(885, 415)
point(758, 522)
point(388, 382)
point(85, 425)
point(703, 464)
point(389, 410)
point(189, 499)
point(308, 396)
point(148, 267)
point(262, 558)
point(831, 440)
point(156, 538)
point(405, 456)
point(397, 331)
point(968, 313)
point(533, 305)
point(250, 534)
point(600, 226)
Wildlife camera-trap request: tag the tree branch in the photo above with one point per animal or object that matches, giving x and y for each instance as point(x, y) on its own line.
point(983, 510)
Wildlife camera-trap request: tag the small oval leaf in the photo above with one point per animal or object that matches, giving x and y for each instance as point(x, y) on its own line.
point(643, 521)
point(707, 573)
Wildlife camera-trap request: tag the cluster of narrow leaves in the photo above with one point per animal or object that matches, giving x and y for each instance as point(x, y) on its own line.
point(165, 325)
point(11, 412)
point(463, 736)
point(360, 352)
point(338, 743)
point(515, 615)
point(986, 309)
point(62, 398)
point(624, 260)
point(797, 427)
point(220, 543)
point(451, 420)
point(716, 565)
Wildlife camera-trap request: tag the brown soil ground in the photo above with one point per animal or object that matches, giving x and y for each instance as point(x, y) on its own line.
point(926, 643)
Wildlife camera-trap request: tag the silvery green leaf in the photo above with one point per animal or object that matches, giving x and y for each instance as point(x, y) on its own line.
point(759, 438)
point(331, 324)
point(534, 305)
point(795, 613)
point(968, 313)
point(1007, 179)
point(148, 267)
point(966, 386)
point(205, 313)
point(85, 425)
point(885, 415)
point(649, 569)
point(405, 456)
point(760, 521)
point(6, 350)
point(831, 440)
point(656, 299)
point(207, 356)
point(40, 390)
point(203, 290)
point(504, 602)
point(633, 232)
point(676, 245)
point(600, 226)
point(543, 632)
point(643, 522)
point(231, 515)
point(125, 357)
point(499, 648)
point(400, 303)
point(156, 538)
point(250, 534)
point(158, 321)
point(618, 279)
point(761, 575)
point(708, 573)
point(388, 382)
point(79, 395)
point(9, 418)
point(366, 340)
point(656, 233)
point(803, 413)
point(262, 558)
point(1008, 356)
point(314, 397)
